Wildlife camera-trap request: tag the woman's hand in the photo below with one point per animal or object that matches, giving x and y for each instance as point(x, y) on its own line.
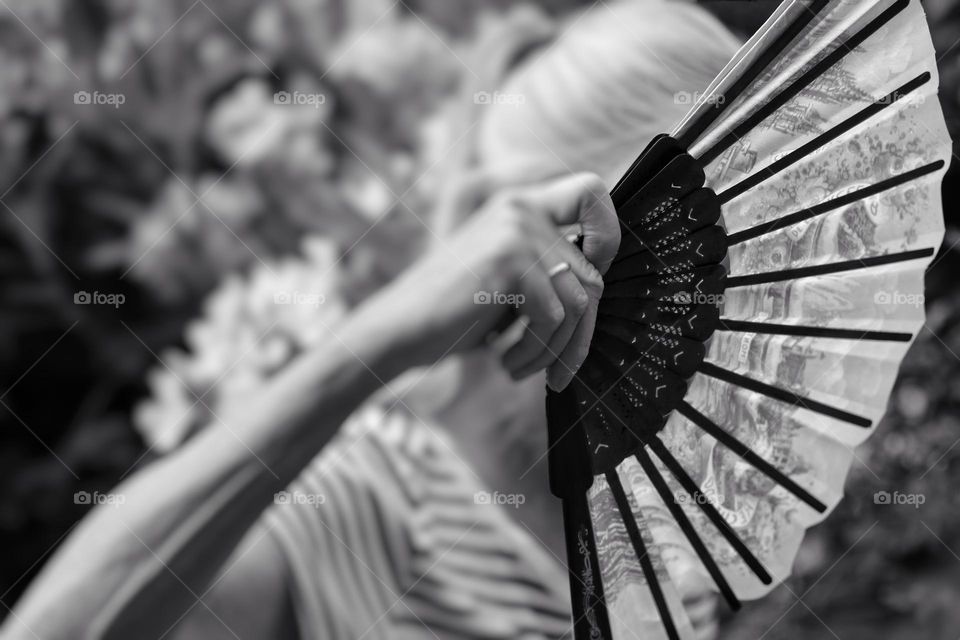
point(511, 262)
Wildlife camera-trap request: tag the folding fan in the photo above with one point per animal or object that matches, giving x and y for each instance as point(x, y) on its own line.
point(768, 284)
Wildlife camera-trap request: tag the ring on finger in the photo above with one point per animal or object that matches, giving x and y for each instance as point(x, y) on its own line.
point(558, 269)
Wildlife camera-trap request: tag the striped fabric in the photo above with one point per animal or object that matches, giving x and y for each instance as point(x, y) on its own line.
point(386, 539)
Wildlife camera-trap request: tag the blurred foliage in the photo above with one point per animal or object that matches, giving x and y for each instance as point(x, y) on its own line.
point(200, 197)
point(192, 198)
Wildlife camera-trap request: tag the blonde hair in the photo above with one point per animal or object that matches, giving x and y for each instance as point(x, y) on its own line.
point(588, 100)
point(620, 74)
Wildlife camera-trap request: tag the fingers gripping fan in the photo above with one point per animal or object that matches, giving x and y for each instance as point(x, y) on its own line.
point(769, 282)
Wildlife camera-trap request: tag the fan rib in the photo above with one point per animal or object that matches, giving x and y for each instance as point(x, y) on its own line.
point(687, 527)
point(745, 452)
point(827, 269)
point(660, 147)
point(712, 370)
point(824, 138)
point(640, 549)
point(590, 614)
point(744, 326)
point(756, 67)
point(802, 82)
point(695, 493)
point(836, 203)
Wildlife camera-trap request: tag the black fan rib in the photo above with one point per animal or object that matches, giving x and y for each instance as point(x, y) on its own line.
point(823, 139)
point(590, 617)
point(696, 494)
point(749, 456)
point(803, 82)
point(708, 117)
point(687, 527)
point(811, 332)
point(835, 203)
point(736, 379)
point(640, 549)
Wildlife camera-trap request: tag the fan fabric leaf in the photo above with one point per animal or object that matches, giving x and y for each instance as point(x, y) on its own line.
point(768, 285)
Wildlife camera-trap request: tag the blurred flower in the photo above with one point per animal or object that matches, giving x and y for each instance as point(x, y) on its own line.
point(251, 327)
point(253, 123)
point(182, 244)
point(390, 79)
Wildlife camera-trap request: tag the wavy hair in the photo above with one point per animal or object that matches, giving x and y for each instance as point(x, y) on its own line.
point(620, 74)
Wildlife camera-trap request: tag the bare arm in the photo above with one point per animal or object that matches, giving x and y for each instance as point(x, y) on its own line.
point(133, 570)
point(183, 516)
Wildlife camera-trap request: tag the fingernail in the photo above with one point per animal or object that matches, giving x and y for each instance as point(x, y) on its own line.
point(559, 382)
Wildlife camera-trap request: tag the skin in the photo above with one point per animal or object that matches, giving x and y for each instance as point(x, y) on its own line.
point(188, 525)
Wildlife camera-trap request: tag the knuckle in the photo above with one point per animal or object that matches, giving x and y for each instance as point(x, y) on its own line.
point(511, 243)
point(592, 279)
point(512, 249)
point(581, 302)
point(616, 234)
point(507, 202)
point(514, 220)
point(515, 260)
point(593, 183)
point(556, 314)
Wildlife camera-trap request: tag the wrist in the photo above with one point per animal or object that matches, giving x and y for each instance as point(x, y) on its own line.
point(384, 336)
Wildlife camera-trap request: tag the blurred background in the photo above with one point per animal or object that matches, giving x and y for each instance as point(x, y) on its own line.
point(164, 163)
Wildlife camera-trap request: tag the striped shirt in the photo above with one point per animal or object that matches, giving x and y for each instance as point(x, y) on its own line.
point(389, 535)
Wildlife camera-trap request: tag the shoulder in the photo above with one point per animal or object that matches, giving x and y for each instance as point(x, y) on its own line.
point(251, 598)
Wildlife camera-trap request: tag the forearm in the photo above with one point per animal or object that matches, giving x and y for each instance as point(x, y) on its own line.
point(133, 569)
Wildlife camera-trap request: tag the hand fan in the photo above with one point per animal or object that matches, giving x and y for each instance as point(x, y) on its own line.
point(769, 281)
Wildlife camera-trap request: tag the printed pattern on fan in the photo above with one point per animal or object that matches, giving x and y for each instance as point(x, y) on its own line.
point(842, 85)
point(635, 614)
